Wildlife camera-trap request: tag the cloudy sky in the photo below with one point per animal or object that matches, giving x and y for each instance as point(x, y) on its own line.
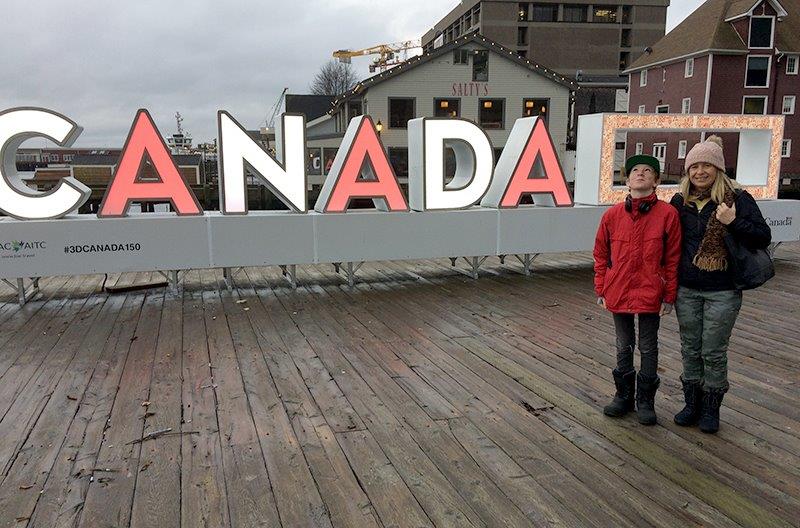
point(98, 61)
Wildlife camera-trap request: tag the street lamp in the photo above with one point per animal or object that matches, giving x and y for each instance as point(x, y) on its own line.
point(379, 127)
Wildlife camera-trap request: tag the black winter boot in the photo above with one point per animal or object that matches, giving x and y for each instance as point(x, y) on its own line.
point(623, 401)
point(709, 414)
point(693, 396)
point(646, 387)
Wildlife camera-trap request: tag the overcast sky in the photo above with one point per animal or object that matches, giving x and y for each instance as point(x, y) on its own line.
point(97, 62)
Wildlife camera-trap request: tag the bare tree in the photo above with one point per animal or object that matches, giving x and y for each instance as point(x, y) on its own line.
point(333, 78)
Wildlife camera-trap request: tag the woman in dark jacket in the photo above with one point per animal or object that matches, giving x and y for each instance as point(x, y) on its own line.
point(711, 207)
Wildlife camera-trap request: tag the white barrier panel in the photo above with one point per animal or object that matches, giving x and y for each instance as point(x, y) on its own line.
point(81, 244)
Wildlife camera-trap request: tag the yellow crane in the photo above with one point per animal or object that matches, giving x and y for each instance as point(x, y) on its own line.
point(387, 54)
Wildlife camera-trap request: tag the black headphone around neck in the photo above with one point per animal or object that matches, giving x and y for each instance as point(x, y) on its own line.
point(644, 206)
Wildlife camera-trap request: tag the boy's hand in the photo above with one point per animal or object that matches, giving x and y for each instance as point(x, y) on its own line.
point(602, 302)
point(666, 309)
point(726, 214)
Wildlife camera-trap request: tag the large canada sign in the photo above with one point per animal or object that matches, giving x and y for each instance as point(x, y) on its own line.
point(361, 168)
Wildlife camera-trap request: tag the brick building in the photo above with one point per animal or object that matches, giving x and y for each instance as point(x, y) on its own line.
point(727, 57)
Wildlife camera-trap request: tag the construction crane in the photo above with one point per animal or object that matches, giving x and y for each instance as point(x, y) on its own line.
point(270, 120)
point(387, 54)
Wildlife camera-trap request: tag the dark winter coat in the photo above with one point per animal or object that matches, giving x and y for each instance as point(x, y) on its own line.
point(748, 228)
point(636, 257)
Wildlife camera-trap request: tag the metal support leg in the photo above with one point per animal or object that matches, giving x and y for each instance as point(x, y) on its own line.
point(350, 272)
point(527, 262)
point(453, 261)
point(290, 272)
point(475, 265)
point(172, 277)
point(772, 248)
point(502, 259)
point(337, 266)
point(228, 275)
point(21, 292)
point(22, 295)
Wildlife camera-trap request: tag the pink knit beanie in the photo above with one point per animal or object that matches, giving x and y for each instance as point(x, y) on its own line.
point(708, 151)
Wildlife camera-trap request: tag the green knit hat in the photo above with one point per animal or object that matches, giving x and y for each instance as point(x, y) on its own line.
point(642, 159)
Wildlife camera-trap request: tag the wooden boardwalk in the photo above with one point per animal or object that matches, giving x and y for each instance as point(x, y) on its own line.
point(420, 397)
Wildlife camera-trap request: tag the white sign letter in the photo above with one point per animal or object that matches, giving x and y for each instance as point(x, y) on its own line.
point(17, 199)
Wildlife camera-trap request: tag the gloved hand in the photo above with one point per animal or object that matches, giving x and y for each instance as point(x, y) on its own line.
point(602, 302)
point(666, 309)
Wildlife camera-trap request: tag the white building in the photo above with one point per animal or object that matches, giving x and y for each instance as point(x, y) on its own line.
point(472, 78)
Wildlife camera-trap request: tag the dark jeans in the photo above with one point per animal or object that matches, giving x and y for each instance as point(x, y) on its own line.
point(648, 342)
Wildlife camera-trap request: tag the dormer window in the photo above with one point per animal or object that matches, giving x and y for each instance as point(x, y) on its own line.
point(761, 31)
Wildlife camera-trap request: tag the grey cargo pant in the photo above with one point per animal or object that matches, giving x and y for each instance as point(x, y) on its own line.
point(706, 320)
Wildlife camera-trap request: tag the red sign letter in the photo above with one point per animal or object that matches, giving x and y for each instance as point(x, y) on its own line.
point(539, 145)
point(344, 182)
point(125, 187)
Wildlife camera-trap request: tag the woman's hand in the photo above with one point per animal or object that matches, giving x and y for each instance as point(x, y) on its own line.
point(726, 214)
point(602, 302)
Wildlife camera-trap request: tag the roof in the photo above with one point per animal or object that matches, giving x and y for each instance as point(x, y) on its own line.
point(108, 160)
point(740, 8)
point(473, 37)
point(312, 106)
point(694, 36)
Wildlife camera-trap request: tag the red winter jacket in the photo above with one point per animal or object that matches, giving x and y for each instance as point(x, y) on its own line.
point(636, 256)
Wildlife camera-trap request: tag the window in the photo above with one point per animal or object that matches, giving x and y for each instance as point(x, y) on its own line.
point(688, 70)
point(68, 158)
point(523, 12)
point(625, 38)
point(643, 78)
point(535, 107)
point(522, 36)
point(686, 105)
point(757, 72)
point(754, 105)
point(682, 149)
point(761, 32)
point(786, 148)
point(662, 109)
point(545, 12)
point(574, 13)
point(627, 14)
point(398, 159)
point(791, 65)
point(788, 105)
point(54, 158)
point(461, 56)
point(446, 107)
point(639, 148)
point(641, 109)
point(491, 112)
point(401, 111)
point(354, 109)
point(523, 53)
point(480, 66)
point(624, 59)
point(660, 152)
point(604, 14)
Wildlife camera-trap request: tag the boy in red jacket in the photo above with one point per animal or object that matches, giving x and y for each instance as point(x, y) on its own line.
point(636, 254)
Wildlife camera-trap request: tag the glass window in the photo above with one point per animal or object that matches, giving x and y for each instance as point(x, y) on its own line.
point(401, 111)
point(491, 113)
point(786, 148)
point(641, 109)
point(314, 161)
point(480, 66)
point(574, 13)
point(639, 148)
point(788, 104)
point(791, 65)
point(354, 109)
point(761, 32)
point(643, 78)
point(522, 36)
point(605, 14)
point(398, 158)
point(535, 107)
point(682, 149)
point(662, 109)
point(446, 107)
point(754, 105)
point(461, 56)
point(757, 72)
point(689, 68)
point(686, 105)
point(545, 12)
point(523, 12)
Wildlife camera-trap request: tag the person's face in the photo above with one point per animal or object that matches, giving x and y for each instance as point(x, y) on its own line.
point(642, 178)
point(702, 175)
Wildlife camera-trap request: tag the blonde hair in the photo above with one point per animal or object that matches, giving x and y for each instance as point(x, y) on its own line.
point(721, 184)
